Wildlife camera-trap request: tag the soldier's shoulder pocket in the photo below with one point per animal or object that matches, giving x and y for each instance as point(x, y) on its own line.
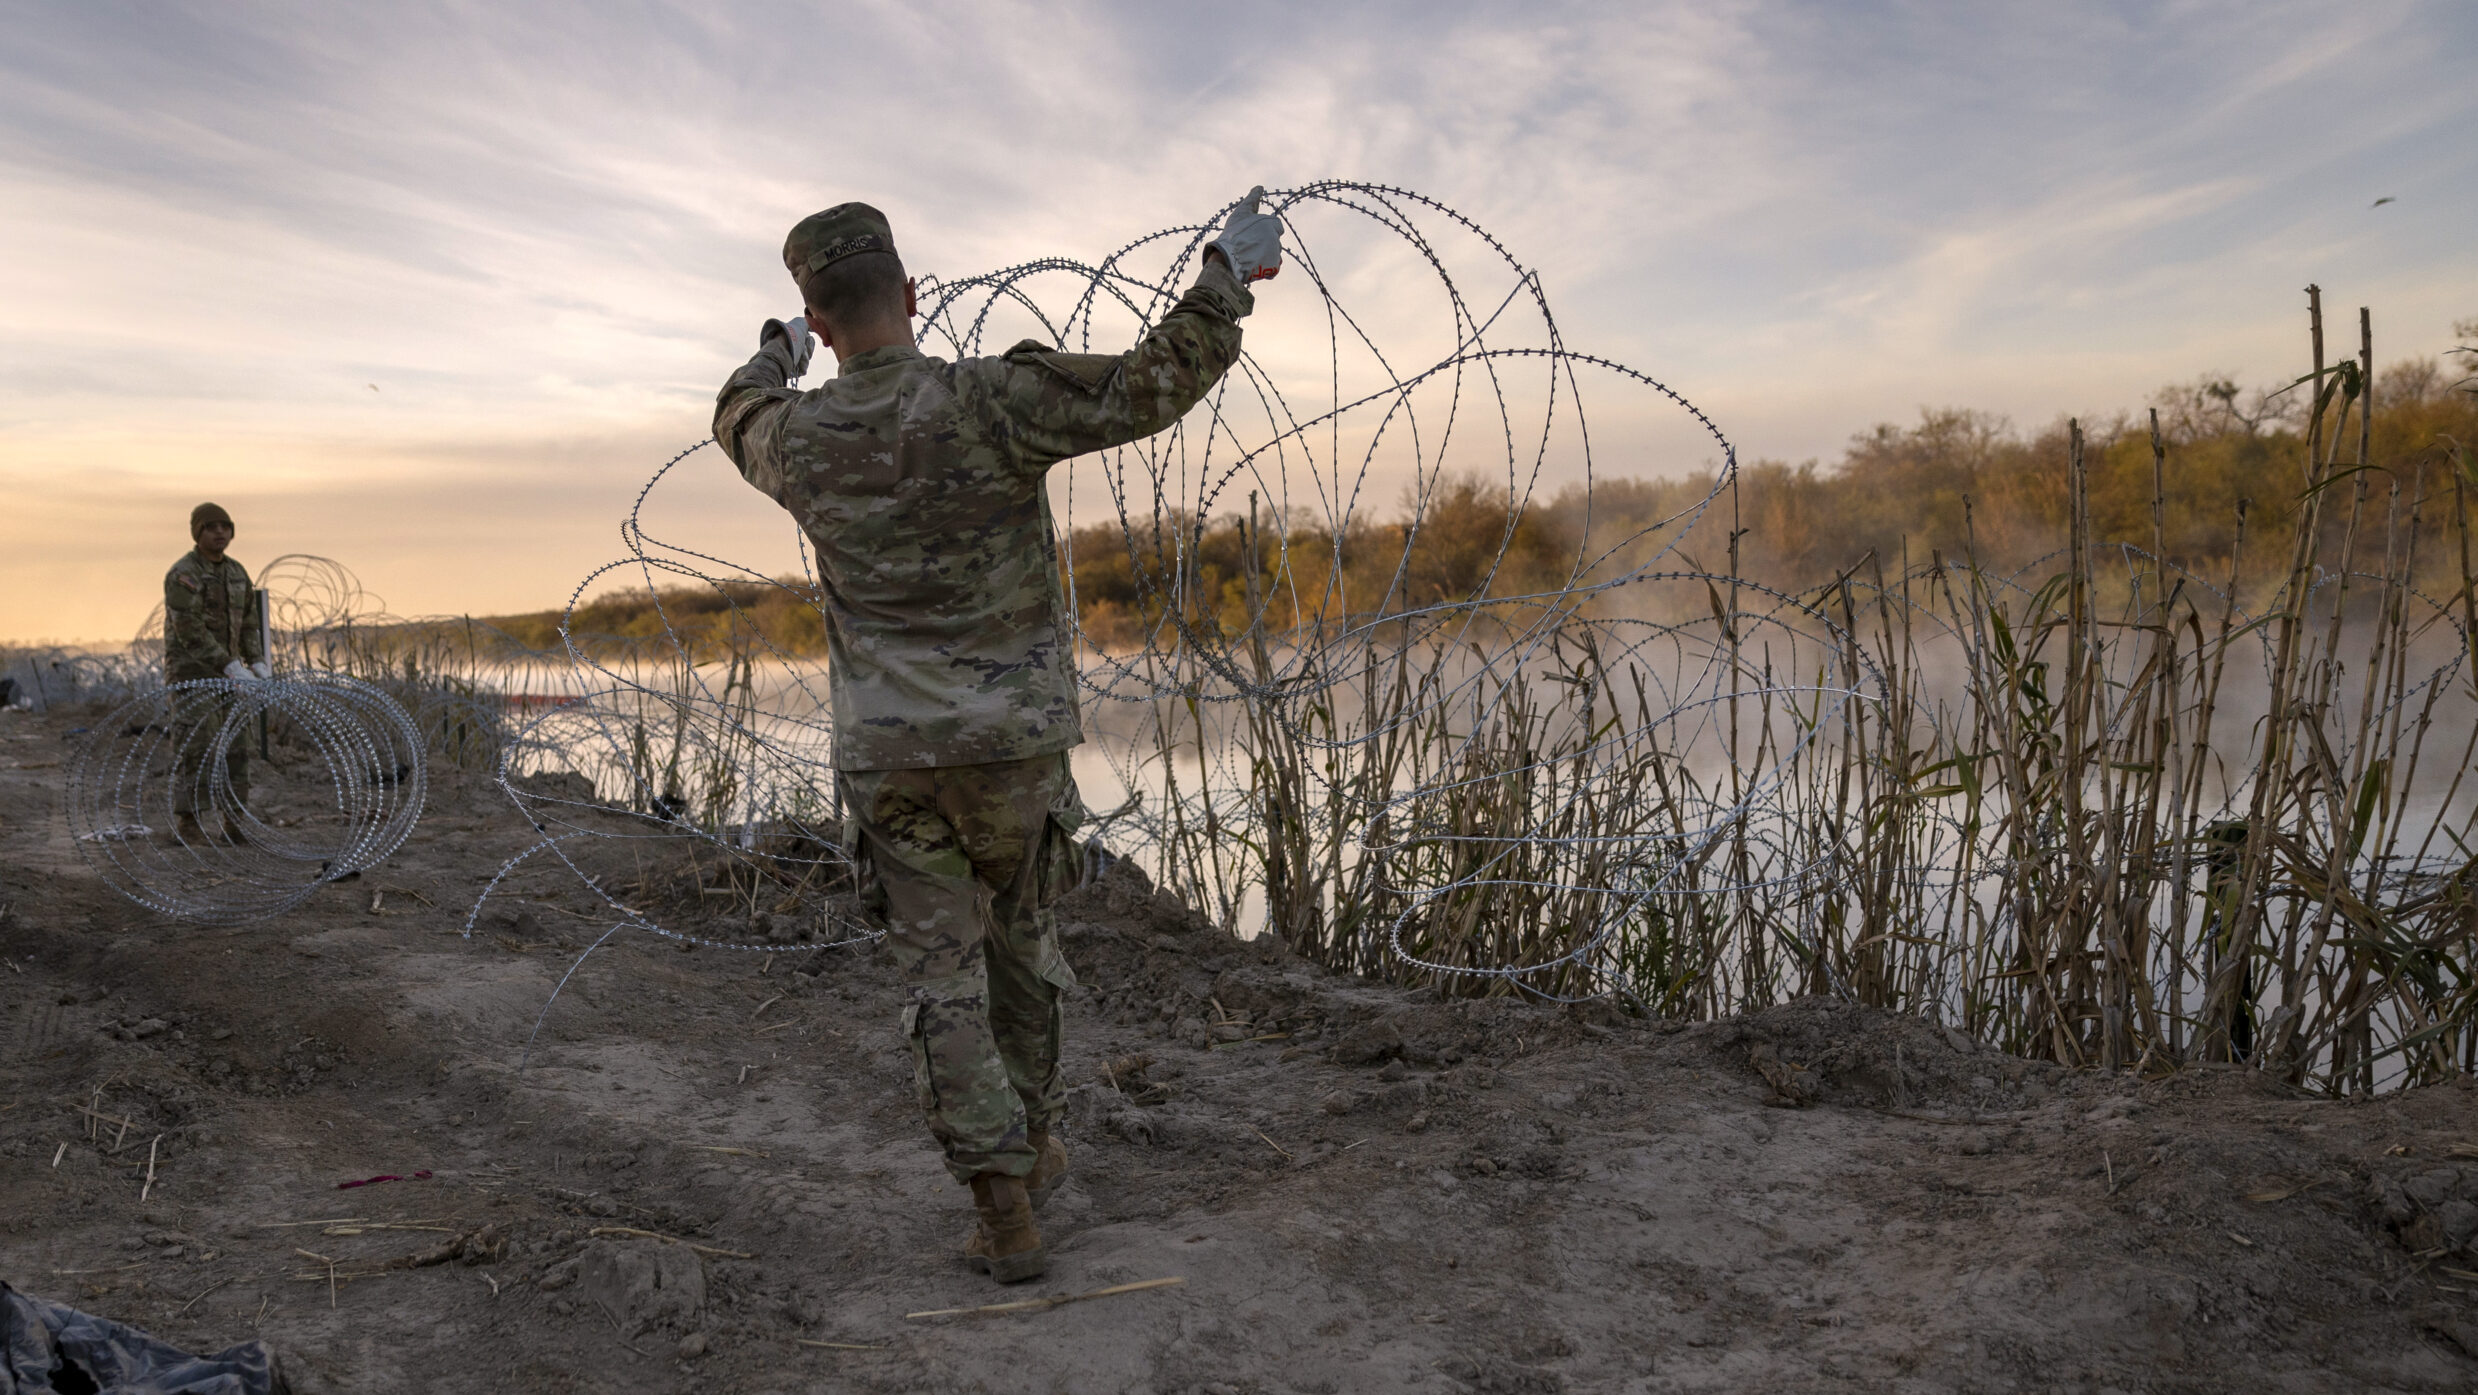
point(1089, 372)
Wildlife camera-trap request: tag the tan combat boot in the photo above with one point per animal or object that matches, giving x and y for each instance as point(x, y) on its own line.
point(1006, 1244)
point(1049, 1167)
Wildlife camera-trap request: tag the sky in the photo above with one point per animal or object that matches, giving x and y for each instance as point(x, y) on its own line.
point(432, 288)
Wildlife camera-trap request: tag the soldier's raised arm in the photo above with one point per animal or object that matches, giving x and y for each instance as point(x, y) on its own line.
point(752, 401)
point(1045, 406)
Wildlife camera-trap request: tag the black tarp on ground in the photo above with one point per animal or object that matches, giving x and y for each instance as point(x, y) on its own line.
point(46, 1349)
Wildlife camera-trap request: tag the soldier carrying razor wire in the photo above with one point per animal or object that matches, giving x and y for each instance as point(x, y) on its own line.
point(210, 630)
point(919, 485)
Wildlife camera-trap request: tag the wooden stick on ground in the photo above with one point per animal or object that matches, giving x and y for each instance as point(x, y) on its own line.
point(210, 1288)
point(1034, 1305)
point(331, 1273)
point(839, 1346)
point(95, 1114)
point(658, 1235)
point(150, 1169)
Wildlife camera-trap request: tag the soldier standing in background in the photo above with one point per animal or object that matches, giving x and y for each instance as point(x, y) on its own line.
point(919, 484)
point(210, 630)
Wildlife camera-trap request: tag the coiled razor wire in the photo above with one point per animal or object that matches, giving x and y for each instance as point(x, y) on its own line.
point(355, 780)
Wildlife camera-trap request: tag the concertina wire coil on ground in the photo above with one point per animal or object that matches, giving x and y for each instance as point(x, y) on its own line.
point(367, 777)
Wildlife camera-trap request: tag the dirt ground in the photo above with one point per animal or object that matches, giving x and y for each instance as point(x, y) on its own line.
point(1362, 1189)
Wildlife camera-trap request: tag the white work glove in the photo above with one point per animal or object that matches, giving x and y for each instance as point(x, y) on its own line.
point(794, 332)
point(1251, 241)
point(262, 670)
point(239, 672)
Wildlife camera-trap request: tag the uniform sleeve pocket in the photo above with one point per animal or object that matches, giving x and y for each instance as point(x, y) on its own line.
point(1089, 373)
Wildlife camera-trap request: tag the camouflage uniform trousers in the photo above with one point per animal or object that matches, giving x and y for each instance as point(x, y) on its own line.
point(193, 745)
point(965, 861)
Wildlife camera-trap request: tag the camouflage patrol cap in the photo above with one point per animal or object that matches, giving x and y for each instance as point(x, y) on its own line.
point(205, 514)
point(822, 239)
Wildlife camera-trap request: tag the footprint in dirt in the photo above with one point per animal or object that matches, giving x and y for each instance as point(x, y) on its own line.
point(40, 1030)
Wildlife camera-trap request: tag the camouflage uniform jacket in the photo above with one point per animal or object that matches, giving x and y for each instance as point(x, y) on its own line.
point(210, 618)
point(919, 485)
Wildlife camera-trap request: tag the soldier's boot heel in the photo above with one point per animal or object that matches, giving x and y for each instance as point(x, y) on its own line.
point(1049, 1167)
point(1006, 1244)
